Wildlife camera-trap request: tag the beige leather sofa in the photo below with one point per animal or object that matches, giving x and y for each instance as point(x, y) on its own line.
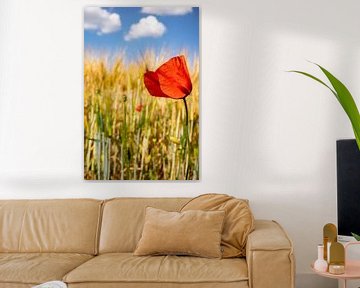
point(89, 243)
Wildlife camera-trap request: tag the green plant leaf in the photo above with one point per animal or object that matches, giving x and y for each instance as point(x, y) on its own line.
point(347, 102)
point(356, 236)
point(344, 97)
point(316, 79)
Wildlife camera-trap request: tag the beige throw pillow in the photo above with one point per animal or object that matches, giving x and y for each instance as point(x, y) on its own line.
point(239, 221)
point(193, 232)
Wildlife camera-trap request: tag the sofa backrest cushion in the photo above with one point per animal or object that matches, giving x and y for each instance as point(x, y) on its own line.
point(66, 226)
point(123, 220)
point(239, 220)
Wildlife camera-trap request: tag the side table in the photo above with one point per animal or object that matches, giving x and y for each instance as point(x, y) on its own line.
point(352, 268)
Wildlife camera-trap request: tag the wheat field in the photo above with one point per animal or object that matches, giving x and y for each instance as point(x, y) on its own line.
point(131, 135)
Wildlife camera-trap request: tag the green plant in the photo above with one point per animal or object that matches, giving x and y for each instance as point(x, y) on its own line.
point(344, 97)
point(356, 236)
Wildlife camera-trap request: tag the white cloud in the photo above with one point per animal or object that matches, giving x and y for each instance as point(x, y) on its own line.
point(174, 11)
point(146, 27)
point(100, 20)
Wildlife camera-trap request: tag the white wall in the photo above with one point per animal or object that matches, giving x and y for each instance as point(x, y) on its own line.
point(266, 135)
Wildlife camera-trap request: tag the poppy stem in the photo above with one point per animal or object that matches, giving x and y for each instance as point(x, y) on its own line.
point(187, 137)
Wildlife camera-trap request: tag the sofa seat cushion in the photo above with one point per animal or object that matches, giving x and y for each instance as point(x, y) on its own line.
point(36, 268)
point(125, 267)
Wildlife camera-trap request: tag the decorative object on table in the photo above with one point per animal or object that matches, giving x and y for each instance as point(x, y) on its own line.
point(329, 236)
point(51, 284)
point(350, 270)
point(320, 264)
point(141, 93)
point(334, 251)
point(336, 269)
point(344, 97)
point(337, 258)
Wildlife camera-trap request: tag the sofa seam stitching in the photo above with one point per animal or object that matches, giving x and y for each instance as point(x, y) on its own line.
point(98, 229)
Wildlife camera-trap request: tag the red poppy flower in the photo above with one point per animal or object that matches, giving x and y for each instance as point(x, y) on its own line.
point(170, 80)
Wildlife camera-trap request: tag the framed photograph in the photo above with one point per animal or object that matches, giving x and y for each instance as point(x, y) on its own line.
point(141, 93)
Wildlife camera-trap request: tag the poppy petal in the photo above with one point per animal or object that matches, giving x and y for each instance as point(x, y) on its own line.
point(174, 78)
point(151, 81)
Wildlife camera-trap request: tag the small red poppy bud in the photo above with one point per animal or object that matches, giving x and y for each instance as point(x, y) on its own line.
point(139, 107)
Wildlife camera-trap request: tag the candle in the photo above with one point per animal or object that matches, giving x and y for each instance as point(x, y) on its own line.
point(336, 269)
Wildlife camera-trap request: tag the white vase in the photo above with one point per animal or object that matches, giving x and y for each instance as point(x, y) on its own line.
point(320, 264)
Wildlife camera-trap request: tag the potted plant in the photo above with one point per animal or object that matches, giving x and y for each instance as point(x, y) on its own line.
point(345, 99)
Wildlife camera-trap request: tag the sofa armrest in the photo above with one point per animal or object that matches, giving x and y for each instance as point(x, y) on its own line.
point(269, 256)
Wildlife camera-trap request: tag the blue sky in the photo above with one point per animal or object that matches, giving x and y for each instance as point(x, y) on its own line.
point(136, 29)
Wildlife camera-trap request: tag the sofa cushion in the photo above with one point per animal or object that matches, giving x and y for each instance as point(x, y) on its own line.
point(126, 268)
point(123, 220)
point(63, 226)
point(193, 232)
point(239, 220)
point(36, 268)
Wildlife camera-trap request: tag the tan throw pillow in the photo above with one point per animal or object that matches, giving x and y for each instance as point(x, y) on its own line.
point(239, 220)
point(196, 233)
